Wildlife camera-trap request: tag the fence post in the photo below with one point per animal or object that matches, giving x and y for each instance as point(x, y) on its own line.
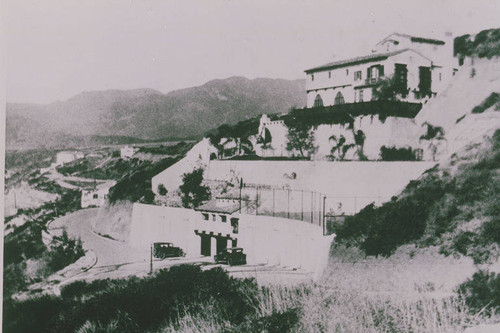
point(288, 199)
point(319, 209)
point(302, 205)
point(273, 199)
point(257, 200)
point(312, 207)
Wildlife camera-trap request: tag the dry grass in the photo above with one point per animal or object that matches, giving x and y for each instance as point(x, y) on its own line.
point(412, 291)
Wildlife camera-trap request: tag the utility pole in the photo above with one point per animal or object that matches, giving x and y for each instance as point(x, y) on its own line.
point(151, 260)
point(324, 224)
point(241, 186)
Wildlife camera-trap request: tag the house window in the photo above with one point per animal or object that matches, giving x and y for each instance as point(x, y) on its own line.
point(205, 216)
point(318, 101)
point(401, 79)
point(424, 86)
point(329, 75)
point(234, 225)
point(440, 77)
point(223, 218)
point(347, 72)
point(95, 196)
point(361, 95)
point(214, 218)
point(339, 99)
point(357, 75)
point(312, 77)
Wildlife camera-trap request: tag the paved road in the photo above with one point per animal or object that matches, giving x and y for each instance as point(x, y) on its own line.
point(116, 259)
point(108, 251)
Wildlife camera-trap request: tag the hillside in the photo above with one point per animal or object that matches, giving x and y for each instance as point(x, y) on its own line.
point(148, 114)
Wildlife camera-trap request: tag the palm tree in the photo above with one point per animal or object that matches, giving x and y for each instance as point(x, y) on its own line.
point(359, 140)
point(339, 146)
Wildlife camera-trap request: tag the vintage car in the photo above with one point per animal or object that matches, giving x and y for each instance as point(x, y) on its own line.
point(164, 250)
point(231, 256)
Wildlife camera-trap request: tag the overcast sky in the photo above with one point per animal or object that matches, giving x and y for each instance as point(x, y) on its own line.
point(58, 48)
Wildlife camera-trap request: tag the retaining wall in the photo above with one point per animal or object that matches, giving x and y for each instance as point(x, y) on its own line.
point(265, 239)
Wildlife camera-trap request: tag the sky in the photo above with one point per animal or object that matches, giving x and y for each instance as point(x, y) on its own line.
point(55, 49)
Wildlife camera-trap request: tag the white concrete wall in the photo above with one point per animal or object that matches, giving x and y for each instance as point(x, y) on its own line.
point(341, 182)
point(265, 239)
point(171, 178)
point(283, 242)
point(164, 224)
point(392, 132)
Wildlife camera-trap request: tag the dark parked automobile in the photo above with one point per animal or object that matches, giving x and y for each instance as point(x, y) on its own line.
point(231, 256)
point(166, 250)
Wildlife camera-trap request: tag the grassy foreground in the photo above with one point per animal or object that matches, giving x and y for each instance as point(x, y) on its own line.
point(188, 299)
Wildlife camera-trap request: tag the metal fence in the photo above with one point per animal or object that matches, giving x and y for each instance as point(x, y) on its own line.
point(307, 206)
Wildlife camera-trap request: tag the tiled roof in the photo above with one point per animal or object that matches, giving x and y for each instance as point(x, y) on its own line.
point(358, 60)
point(215, 206)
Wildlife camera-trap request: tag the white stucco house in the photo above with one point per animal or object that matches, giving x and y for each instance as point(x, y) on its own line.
point(96, 195)
point(127, 152)
point(423, 65)
point(68, 156)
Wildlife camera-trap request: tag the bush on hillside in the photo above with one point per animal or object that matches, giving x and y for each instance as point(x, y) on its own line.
point(430, 210)
point(142, 304)
point(482, 292)
point(398, 154)
point(485, 44)
point(135, 185)
point(492, 99)
point(64, 251)
point(180, 148)
point(193, 192)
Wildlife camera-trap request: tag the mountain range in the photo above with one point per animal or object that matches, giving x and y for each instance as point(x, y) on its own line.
point(129, 116)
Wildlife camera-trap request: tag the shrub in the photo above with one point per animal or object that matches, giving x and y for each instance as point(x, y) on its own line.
point(193, 193)
point(491, 100)
point(397, 154)
point(135, 185)
point(482, 292)
point(64, 251)
point(136, 305)
point(162, 190)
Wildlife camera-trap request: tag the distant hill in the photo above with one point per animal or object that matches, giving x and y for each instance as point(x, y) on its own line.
point(146, 114)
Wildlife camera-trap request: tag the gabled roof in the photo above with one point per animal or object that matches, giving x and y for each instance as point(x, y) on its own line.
point(415, 39)
point(358, 60)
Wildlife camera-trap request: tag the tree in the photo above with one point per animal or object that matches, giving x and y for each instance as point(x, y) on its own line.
point(359, 140)
point(193, 193)
point(388, 89)
point(162, 190)
point(339, 147)
point(434, 135)
point(301, 138)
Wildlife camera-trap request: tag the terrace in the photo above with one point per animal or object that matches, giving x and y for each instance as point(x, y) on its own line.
point(382, 108)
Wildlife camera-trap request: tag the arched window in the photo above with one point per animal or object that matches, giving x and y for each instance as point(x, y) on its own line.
point(318, 101)
point(339, 99)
